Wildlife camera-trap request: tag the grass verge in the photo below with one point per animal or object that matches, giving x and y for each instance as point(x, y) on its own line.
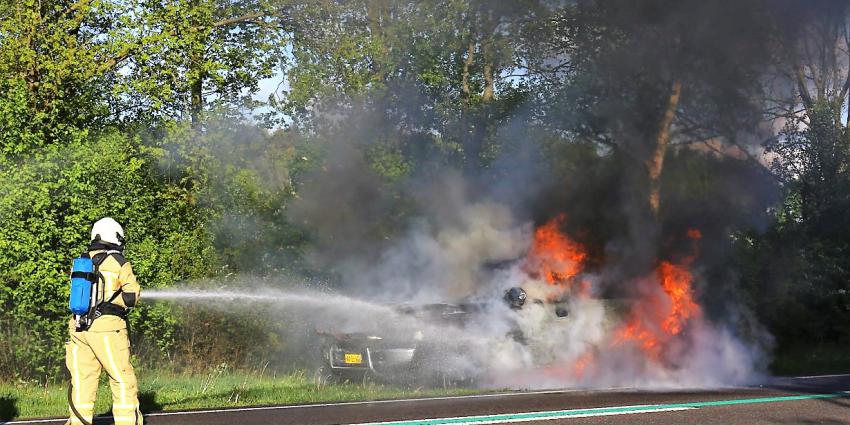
point(217, 389)
point(811, 360)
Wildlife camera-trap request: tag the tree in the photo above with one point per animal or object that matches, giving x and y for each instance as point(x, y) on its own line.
point(87, 64)
point(811, 157)
point(438, 71)
point(641, 76)
point(55, 67)
point(192, 53)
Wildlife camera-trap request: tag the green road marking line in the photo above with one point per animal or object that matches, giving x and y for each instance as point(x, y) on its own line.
point(601, 411)
point(767, 399)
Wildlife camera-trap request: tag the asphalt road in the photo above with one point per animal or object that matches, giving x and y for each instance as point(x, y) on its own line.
point(804, 400)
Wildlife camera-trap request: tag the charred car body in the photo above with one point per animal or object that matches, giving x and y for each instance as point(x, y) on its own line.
point(424, 352)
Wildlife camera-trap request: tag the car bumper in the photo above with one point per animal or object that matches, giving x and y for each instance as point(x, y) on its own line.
point(372, 359)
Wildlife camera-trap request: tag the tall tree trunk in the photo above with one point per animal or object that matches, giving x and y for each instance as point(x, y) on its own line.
point(197, 99)
point(196, 86)
point(489, 89)
point(466, 92)
point(655, 164)
point(376, 16)
point(196, 73)
point(482, 115)
point(467, 63)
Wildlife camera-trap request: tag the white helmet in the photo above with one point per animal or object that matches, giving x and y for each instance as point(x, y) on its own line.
point(107, 230)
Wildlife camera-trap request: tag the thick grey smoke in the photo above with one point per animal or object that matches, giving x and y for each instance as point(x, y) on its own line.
point(443, 255)
point(395, 221)
point(461, 238)
point(460, 241)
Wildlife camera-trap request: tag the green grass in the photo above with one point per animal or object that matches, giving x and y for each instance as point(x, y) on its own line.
point(811, 360)
point(216, 389)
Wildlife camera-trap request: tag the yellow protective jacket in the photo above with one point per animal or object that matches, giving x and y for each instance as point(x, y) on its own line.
point(117, 274)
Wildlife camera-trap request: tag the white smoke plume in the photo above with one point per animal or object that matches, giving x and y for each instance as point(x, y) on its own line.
point(431, 264)
point(471, 253)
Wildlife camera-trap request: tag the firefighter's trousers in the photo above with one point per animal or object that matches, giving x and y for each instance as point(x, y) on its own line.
point(86, 354)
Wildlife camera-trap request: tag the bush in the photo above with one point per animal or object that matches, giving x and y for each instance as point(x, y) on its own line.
point(49, 201)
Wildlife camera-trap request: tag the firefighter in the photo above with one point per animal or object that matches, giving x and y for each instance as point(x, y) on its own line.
point(102, 341)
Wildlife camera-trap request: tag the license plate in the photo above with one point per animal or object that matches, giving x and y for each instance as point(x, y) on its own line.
point(353, 358)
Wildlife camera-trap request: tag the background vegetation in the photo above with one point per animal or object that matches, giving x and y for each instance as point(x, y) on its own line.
point(146, 111)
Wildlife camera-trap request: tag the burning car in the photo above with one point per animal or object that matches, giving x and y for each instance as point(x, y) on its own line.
point(427, 355)
point(555, 322)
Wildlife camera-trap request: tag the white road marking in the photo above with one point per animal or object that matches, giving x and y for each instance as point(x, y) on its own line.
point(840, 375)
point(346, 403)
point(532, 416)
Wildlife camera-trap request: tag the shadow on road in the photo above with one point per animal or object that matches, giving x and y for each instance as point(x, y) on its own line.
point(806, 421)
point(819, 385)
point(147, 404)
point(8, 408)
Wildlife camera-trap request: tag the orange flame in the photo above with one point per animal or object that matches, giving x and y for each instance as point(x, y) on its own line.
point(661, 316)
point(554, 256)
point(582, 363)
point(639, 332)
point(676, 281)
point(655, 321)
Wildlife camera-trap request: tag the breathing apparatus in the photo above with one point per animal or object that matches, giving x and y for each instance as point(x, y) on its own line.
point(87, 290)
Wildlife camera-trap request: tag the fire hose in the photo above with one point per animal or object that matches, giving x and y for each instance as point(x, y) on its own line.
point(73, 407)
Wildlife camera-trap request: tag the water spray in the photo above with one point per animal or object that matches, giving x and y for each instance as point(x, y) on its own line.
point(281, 298)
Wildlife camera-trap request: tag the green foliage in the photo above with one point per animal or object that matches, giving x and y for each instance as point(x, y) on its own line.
point(811, 359)
point(432, 72)
point(806, 255)
point(242, 176)
point(389, 163)
point(186, 54)
point(71, 65)
point(55, 69)
point(49, 202)
point(138, 110)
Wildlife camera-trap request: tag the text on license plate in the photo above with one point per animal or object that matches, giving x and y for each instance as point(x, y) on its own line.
point(353, 358)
